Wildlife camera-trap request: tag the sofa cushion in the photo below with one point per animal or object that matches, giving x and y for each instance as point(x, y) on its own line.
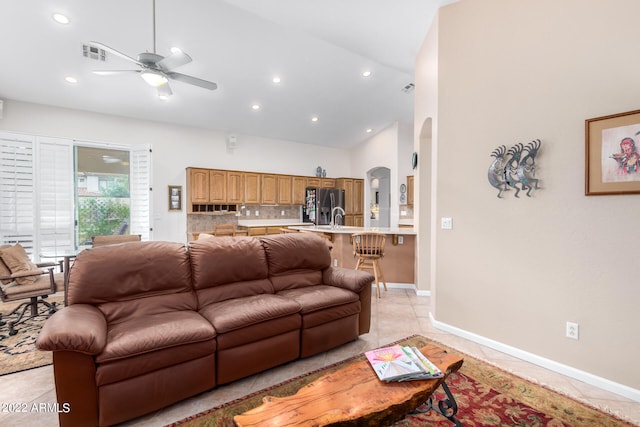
point(4, 270)
point(296, 279)
point(238, 313)
point(130, 271)
point(228, 267)
point(289, 252)
point(16, 260)
point(149, 333)
point(319, 297)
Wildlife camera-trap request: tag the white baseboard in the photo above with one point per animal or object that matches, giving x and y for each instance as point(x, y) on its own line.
point(552, 365)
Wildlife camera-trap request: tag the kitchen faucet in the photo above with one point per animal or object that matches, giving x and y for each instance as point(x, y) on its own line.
point(333, 215)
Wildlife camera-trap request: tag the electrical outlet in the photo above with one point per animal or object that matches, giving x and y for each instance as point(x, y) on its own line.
point(573, 330)
point(335, 262)
point(257, 213)
point(248, 212)
point(281, 213)
point(400, 240)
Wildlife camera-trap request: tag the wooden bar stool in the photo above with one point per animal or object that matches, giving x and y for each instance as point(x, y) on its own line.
point(224, 230)
point(368, 248)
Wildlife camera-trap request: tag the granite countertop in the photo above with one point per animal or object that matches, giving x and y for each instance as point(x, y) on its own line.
point(343, 229)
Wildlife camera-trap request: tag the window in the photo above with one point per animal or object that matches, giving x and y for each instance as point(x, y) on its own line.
point(42, 182)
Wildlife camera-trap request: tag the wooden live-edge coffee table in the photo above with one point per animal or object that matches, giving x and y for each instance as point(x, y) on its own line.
point(354, 395)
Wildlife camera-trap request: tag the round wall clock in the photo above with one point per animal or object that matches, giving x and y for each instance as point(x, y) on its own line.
point(414, 160)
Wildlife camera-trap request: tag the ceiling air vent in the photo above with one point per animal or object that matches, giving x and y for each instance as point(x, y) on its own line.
point(93, 52)
point(408, 88)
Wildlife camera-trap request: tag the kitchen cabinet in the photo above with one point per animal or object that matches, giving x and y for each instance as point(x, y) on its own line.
point(268, 189)
point(410, 197)
point(314, 182)
point(217, 186)
point(285, 189)
point(251, 188)
point(299, 186)
point(346, 184)
point(328, 183)
point(354, 202)
point(358, 197)
point(235, 187)
point(198, 185)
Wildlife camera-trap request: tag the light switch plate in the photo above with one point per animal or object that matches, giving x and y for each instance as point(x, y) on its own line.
point(446, 223)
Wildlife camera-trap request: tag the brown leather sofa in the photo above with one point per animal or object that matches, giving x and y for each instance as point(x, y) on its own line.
point(151, 323)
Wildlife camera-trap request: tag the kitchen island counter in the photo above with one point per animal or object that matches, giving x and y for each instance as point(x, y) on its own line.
point(343, 229)
point(398, 263)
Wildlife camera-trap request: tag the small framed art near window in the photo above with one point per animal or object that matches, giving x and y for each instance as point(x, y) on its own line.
point(612, 160)
point(175, 197)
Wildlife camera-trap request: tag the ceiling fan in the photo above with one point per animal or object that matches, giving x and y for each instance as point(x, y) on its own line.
point(155, 69)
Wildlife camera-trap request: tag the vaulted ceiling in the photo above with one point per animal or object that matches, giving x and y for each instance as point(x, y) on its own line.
point(318, 49)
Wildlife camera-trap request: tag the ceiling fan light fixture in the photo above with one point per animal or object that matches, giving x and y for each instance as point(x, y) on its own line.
point(154, 78)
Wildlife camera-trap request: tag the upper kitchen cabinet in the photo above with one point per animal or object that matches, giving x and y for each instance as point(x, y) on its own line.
point(285, 189)
point(354, 202)
point(198, 185)
point(251, 188)
point(217, 186)
point(269, 189)
point(328, 183)
point(299, 186)
point(410, 190)
point(358, 196)
point(314, 182)
point(235, 187)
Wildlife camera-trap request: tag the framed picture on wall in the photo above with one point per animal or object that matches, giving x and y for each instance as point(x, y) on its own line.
point(612, 159)
point(175, 197)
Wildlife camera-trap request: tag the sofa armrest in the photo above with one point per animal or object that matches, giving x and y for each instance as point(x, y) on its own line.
point(357, 281)
point(353, 280)
point(78, 327)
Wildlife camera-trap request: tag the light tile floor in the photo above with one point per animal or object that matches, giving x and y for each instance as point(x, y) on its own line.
point(397, 314)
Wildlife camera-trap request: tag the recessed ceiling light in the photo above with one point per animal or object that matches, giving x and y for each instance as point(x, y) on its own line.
point(369, 130)
point(314, 119)
point(176, 50)
point(60, 18)
point(276, 80)
point(164, 97)
point(256, 107)
point(366, 73)
point(70, 79)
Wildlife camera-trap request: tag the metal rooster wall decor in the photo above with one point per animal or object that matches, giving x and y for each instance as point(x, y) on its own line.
point(514, 168)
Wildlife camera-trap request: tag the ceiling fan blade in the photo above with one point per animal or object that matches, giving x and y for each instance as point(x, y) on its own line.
point(173, 61)
point(192, 80)
point(111, 72)
point(164, 90)
point(115, 52)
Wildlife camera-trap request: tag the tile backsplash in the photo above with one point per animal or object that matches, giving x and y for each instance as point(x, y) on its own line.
point(203, 223)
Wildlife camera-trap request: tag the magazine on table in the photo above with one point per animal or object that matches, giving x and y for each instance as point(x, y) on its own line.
point(402, 363)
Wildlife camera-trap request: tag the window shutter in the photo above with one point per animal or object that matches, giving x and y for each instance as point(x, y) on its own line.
point(17, 190)
point(140, 161)
point(55, 195)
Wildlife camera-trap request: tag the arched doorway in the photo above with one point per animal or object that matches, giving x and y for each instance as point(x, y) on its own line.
point(379, 197)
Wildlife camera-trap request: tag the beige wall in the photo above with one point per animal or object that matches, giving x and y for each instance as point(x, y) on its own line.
point(516, 270)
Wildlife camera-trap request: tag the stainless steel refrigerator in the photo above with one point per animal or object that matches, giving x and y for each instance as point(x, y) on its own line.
point(319, 202)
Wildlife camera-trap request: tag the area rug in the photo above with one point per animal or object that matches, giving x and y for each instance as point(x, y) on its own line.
point(19, 352)
point(486, 396)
